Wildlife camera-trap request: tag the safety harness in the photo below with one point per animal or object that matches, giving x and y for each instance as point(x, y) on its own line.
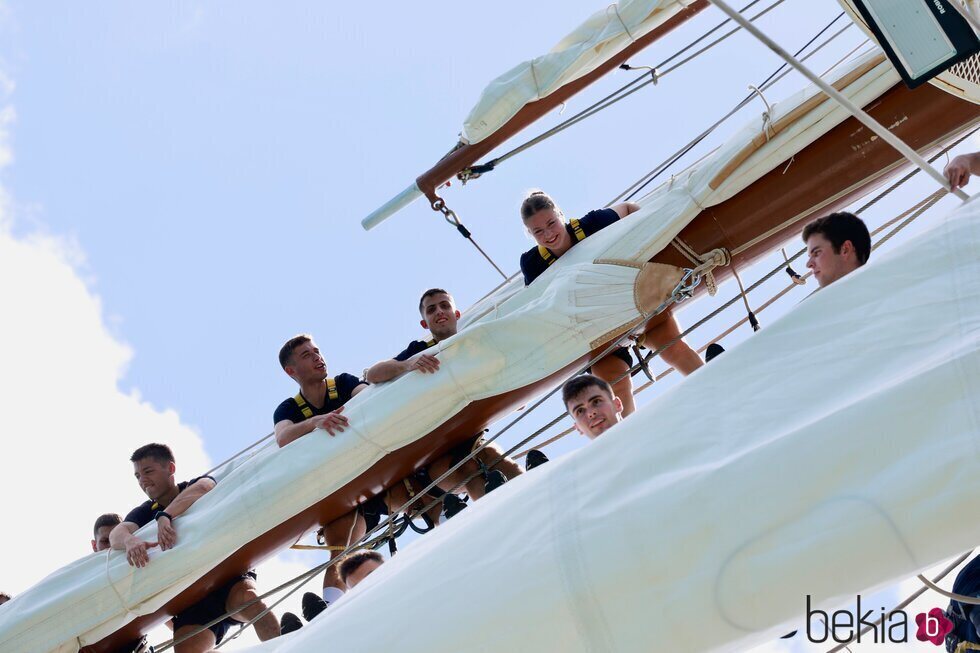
point(548, 257)
point(332, 395)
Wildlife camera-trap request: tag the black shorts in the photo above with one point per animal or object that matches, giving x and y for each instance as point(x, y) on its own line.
point(622, 353)
point(210, 608)
point(463, 449)
point(373, 510)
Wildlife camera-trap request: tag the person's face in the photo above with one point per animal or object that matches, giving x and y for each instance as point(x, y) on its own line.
point(101, 541)
point(307, 365)
point(827, 265)
point(439, 315)
point(155, 478)
point(594, 411)
point(548, 230)
point(362, 572)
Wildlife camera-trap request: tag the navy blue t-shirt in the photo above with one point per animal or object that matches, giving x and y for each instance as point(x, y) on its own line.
point(533, 264)
point(142, 514)
point(290, 410)
point(967, 583)
point(415, 347)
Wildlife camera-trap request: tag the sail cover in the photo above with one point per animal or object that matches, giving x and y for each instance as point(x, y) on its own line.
point(833, 452)
point(602, 36)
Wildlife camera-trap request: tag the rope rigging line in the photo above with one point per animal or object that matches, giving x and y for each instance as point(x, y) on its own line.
point(771, 80)
point(619, 94)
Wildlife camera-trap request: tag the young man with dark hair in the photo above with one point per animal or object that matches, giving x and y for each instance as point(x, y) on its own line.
point(103, 527)
point(358, 566)
point(591, 403)
point(154, 467)
point(320, 405)
point(837, 245)
point(440, 316)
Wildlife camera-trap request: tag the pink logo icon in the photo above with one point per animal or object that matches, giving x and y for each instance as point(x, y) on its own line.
point(933, 626)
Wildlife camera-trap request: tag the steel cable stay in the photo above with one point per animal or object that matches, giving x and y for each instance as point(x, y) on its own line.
point(771, 80)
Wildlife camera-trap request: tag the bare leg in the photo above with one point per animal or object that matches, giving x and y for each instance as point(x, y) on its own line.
point(680, 356)
point(507, 465)
point(611, 368)
point(341, 532)
point(474, 487)
point(266, 627)
point(200, 643)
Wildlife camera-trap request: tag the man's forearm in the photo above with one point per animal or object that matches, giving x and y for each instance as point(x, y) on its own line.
point(385, 371)
point(294, 431)
point(119, 536)
point(186, 499)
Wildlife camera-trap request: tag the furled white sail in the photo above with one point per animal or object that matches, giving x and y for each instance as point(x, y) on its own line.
point(833, 452)
point(604, 34)
point(514, 338)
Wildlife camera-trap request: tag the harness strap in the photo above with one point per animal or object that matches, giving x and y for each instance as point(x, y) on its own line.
point(548, 257)
point(332, 395)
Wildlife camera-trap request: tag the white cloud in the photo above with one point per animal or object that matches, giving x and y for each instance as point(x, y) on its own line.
point(67, 428)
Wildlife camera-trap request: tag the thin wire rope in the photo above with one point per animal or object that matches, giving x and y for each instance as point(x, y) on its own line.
point(771, 80)
point(629, 88)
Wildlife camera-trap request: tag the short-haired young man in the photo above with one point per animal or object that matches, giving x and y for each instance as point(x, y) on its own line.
point(103, 527)
point(591, 403)
point(359, 565)
point(154, 467)
point(440, 316)
point(837, 245)
point(320, 405)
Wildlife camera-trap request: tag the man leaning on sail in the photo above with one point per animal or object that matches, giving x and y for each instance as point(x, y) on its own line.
point(154, 467)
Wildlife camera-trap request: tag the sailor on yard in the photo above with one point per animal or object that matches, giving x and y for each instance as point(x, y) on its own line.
point(154, 467)
point(440, 316)
point(545, 222)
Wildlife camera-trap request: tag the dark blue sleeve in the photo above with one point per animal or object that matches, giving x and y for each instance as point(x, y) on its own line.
point(346, 384)
point(597, 220)
point(413, 348)
point(532, 265)
point(141, 515)
point(287, 410)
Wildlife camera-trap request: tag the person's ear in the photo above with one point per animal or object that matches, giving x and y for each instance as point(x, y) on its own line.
point(618, 403)
point(847, 247)
point(172, 468)
point(94, 550)
point(425, 325)
point(458, 315)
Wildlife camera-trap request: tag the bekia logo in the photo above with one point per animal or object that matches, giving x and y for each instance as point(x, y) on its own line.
point(880, 626)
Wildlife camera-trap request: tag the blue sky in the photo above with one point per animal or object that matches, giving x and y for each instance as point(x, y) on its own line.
point(205, 167)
